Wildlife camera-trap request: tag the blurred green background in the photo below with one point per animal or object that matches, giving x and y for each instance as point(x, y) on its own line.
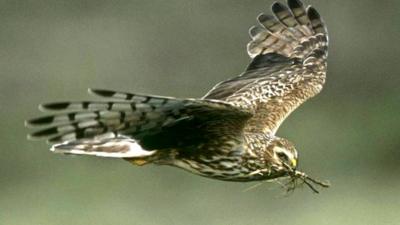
point(55, 50)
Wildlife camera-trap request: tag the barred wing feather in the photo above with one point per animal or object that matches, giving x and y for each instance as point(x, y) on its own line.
point(289, 52)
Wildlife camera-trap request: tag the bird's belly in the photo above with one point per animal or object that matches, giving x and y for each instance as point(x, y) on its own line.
point(224, 171)
point(218, 169)
point(231, 163)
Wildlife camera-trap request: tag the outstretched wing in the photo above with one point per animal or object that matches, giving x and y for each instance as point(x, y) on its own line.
point(289, 52)
point(154, 122)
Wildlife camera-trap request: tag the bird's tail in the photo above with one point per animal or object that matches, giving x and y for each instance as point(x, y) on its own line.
point(106, 145)
point(293, 31)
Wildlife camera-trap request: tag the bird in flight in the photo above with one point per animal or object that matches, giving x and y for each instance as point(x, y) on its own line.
point(229, 134)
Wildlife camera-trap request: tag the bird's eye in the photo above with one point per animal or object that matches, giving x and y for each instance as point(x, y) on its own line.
point(283, 156)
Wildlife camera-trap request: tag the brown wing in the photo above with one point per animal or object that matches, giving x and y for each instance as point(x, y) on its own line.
point(155, 122)
point(289, 52)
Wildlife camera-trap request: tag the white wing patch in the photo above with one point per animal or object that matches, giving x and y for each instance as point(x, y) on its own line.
point(104, 146)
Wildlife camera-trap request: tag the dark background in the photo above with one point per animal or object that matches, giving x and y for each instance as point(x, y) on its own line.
point(55, 50)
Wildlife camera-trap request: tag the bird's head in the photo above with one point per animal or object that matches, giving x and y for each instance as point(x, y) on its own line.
point(285, 158)
point(283, 153)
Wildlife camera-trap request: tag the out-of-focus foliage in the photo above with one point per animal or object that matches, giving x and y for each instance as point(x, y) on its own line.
point(54, 50)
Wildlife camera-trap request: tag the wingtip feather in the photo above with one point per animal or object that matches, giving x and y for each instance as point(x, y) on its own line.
point(278, 7)
point(312, 13)
point(30, 138)
point(101, 92)
point(39, 121)
point(53, 106)
point(295, 4)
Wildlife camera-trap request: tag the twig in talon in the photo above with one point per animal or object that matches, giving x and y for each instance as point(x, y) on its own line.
point(311, 187)
point(320, 183)
point(305, 178)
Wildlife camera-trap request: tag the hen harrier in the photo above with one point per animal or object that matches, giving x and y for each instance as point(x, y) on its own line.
point(229, 134)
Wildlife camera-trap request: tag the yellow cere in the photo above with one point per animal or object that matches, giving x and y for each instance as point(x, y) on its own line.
point(294, 162)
